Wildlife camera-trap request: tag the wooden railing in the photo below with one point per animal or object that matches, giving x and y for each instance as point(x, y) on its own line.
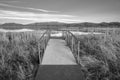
point(73, 43)
point(42, 44)
point(70, 39)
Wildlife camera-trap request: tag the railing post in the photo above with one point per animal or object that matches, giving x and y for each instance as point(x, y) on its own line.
point(78, 56)
point(44, 43)
point(72, 43)
point(39, 53)
point(67, 37)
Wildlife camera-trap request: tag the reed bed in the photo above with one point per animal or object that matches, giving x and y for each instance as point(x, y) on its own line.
point(19, 57)
point(100, 55)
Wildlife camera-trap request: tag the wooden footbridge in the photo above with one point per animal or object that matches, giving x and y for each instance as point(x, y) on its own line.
point(60, 60)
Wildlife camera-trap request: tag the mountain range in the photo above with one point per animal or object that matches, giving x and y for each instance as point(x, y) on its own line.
point(57, 25)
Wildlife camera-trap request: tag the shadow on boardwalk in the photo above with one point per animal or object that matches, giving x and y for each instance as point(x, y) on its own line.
point(59, 72)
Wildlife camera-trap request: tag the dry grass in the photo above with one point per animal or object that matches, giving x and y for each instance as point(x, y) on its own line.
point(100, 55)
point(19, 55)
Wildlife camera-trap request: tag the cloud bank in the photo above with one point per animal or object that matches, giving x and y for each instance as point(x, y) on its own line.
point(36, 17)
point(28, 8)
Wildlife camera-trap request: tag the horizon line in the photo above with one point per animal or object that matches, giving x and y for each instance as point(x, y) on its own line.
point(59, 22)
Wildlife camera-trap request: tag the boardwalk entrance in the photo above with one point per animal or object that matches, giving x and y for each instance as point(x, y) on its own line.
point(59, 72)
point(58, 62)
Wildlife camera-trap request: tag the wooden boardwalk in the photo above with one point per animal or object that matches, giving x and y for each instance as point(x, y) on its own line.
point(57, 53)
point(59, 63)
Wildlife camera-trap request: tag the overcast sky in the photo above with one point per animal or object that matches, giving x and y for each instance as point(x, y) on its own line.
point(69, 11)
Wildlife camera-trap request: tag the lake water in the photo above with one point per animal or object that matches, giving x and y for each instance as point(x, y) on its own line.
point(59, 33)
point(19, 30)
point(54, 33)
point(84, 33)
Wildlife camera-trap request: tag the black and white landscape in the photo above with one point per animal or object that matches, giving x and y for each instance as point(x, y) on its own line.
point(59, 40)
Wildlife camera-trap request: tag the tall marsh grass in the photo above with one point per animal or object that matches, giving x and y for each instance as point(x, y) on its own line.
point(100, 55)
point(19, 55)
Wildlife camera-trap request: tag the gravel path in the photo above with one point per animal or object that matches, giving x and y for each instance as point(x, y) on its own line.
point(57, 53)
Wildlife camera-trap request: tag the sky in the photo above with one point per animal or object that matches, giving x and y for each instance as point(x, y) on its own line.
point(67, 11)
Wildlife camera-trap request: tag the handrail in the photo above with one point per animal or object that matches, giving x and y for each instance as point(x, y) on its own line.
point(70, 38)
point(73, 43)
point(42, 44)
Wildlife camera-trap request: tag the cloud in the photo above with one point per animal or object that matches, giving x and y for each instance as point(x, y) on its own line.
point(11, 1)
point(35, 17)
point(28, 8)
point(17, 18)
point(5, 5)
point(43, 10)
point(32, 14)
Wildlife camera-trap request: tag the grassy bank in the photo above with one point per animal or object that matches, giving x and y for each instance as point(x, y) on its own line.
point(19, 55)
point(100, 55)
